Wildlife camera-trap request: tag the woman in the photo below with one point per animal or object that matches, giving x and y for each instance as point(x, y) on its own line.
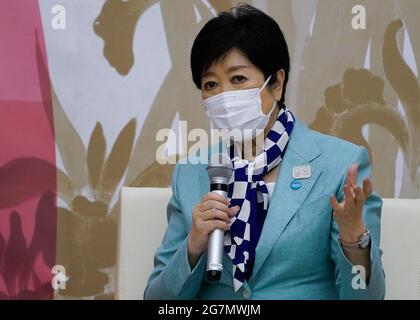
point(304, 226)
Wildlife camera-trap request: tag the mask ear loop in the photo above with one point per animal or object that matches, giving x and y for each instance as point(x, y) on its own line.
point(262, 88)
point(265, 84)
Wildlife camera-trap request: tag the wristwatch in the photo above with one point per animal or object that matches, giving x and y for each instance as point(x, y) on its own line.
point(363, 242)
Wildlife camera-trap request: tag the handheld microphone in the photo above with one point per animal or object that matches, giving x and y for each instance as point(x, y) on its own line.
point(219, 173)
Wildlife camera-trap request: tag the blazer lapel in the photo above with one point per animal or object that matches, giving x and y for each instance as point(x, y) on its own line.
point(285, 201)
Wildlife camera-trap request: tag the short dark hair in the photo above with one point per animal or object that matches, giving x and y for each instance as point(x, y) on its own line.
point(249, 30)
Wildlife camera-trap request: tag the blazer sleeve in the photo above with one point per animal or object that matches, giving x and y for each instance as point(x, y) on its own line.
point(172, 277)
point(344, 271)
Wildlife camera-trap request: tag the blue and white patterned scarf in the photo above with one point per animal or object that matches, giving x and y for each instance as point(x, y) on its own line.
point(248, 190)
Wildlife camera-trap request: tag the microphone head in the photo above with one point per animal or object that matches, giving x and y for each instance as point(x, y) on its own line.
point(220, 169)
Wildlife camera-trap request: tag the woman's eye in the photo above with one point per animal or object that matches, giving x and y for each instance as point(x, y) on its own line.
point(210, 85)
point(238, 79)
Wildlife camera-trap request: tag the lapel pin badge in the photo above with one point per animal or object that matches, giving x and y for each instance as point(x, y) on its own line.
point(296, 184)
point(302, 172)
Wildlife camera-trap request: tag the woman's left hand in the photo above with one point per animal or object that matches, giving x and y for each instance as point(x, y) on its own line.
point(348, 214)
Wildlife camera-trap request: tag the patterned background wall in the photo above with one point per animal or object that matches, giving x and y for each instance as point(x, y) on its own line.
point(80, 107)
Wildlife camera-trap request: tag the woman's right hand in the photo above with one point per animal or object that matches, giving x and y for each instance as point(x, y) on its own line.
point(211, 213)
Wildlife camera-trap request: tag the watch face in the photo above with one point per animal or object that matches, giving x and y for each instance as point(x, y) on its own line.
point(365, 241)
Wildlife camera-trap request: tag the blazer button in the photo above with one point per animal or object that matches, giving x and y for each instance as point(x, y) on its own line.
point(246, 294)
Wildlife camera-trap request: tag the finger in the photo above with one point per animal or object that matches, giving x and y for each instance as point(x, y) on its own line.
point(335, 205)
point(352, 174)
point(209, 204)
point(235, 210)
point(349, 200)
point(367, 187)
point(352, 190)
point(211, 225)
point(213, 214)
point(214, 196)
point(346, 192)
point(360, 198)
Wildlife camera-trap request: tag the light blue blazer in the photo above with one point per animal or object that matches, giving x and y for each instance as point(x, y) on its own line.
point(298, 255)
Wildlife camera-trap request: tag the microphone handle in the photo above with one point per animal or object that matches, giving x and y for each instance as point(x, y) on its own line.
point(216, 241)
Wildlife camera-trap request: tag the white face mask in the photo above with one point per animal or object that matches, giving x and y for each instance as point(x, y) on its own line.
point(240, 109)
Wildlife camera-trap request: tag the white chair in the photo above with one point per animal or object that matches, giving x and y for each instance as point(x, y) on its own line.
point(400, 241)
point(142, 225)
point(143, 222)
